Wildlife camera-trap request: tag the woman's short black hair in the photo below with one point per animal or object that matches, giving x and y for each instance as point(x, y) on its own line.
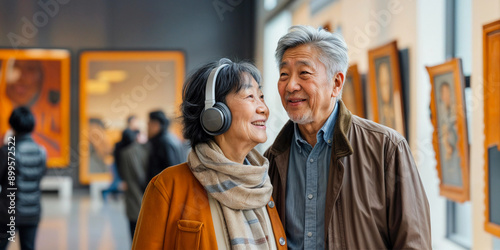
point(22, 121)
point(230, 78)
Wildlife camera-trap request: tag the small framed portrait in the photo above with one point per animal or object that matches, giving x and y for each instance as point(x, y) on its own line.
point(352, 92)
point(450, 139)
point(386, 99)
point(40, 80)
point(491, 68)
point(115, 85)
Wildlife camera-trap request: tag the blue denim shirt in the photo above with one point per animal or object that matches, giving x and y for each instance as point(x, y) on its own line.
point(306, 187)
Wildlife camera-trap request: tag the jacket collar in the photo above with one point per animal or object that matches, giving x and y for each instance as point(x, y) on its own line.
point(283, 140)
point(341, 146)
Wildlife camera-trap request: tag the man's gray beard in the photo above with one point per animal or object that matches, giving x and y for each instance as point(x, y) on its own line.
point(302, 119)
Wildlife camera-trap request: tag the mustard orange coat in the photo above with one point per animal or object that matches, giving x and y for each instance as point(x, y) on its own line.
point(175, 214)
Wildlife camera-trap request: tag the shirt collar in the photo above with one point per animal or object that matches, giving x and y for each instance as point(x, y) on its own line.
point(325, 133)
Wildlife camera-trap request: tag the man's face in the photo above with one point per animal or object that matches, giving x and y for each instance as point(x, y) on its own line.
point(154, 128)
point(24, 81)
point(307, 94)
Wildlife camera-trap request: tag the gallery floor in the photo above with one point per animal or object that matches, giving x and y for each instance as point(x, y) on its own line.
point(81, 223)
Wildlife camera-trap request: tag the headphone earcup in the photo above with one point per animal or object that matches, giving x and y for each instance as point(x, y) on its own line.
point(227, 116)
point(216, 120)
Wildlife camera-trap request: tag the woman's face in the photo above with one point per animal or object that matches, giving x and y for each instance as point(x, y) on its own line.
point(24, 81)
point(249, 114)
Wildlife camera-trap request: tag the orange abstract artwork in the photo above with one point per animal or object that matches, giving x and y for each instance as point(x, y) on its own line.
point(39, 80)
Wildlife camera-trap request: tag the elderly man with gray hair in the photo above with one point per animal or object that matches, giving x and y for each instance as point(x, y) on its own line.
point(340, 181)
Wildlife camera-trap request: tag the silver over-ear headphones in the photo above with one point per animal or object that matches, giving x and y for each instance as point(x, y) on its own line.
point(216, 117)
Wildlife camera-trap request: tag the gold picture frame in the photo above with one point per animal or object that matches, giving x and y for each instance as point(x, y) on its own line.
point(385, 87)
point(114, 85)
point(450, 137)
point(491, 68)
point(39, 79)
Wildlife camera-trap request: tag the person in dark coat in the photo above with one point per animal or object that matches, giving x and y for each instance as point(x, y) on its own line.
point(114, 187)
point(165, 149)
point(30, 165)
point(131, 166)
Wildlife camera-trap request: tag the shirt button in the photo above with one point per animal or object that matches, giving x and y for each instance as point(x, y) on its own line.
point(282, 241)
point(270, 204)
point(329, 141)
point(311, 160)
point(309, 234)
point(310, 196)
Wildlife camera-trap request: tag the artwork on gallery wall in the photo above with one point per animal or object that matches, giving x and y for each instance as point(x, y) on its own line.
point(386, 98)
point(352, 92)
point(115, 85)
point(491, 68)
point(450, 139)
point(40, 80)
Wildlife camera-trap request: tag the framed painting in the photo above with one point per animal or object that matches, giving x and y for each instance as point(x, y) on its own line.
point(352, 92)
point(115, 85)
point(491, 68)
point(385, 87)
point(450, 139)
point(40, 80)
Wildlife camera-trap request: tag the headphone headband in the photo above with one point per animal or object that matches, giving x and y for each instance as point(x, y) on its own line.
point(210, 88)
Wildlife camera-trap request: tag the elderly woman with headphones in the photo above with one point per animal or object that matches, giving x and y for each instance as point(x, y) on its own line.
point(221, 197)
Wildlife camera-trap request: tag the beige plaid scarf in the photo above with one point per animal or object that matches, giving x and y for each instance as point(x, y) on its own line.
point(241, 190)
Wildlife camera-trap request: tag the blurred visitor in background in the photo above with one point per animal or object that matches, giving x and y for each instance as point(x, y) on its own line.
point(30, 166)
point(114, 187)
point(131, 165)
point(131, 126)
point(165, 149)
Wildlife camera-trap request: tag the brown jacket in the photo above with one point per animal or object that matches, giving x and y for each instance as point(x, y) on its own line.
point(175, 214)
point(375, 199)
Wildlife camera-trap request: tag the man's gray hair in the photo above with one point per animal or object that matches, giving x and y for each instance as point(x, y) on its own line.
point(332, 47)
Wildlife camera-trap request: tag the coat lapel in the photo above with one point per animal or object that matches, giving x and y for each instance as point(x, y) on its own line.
point(340, 148)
